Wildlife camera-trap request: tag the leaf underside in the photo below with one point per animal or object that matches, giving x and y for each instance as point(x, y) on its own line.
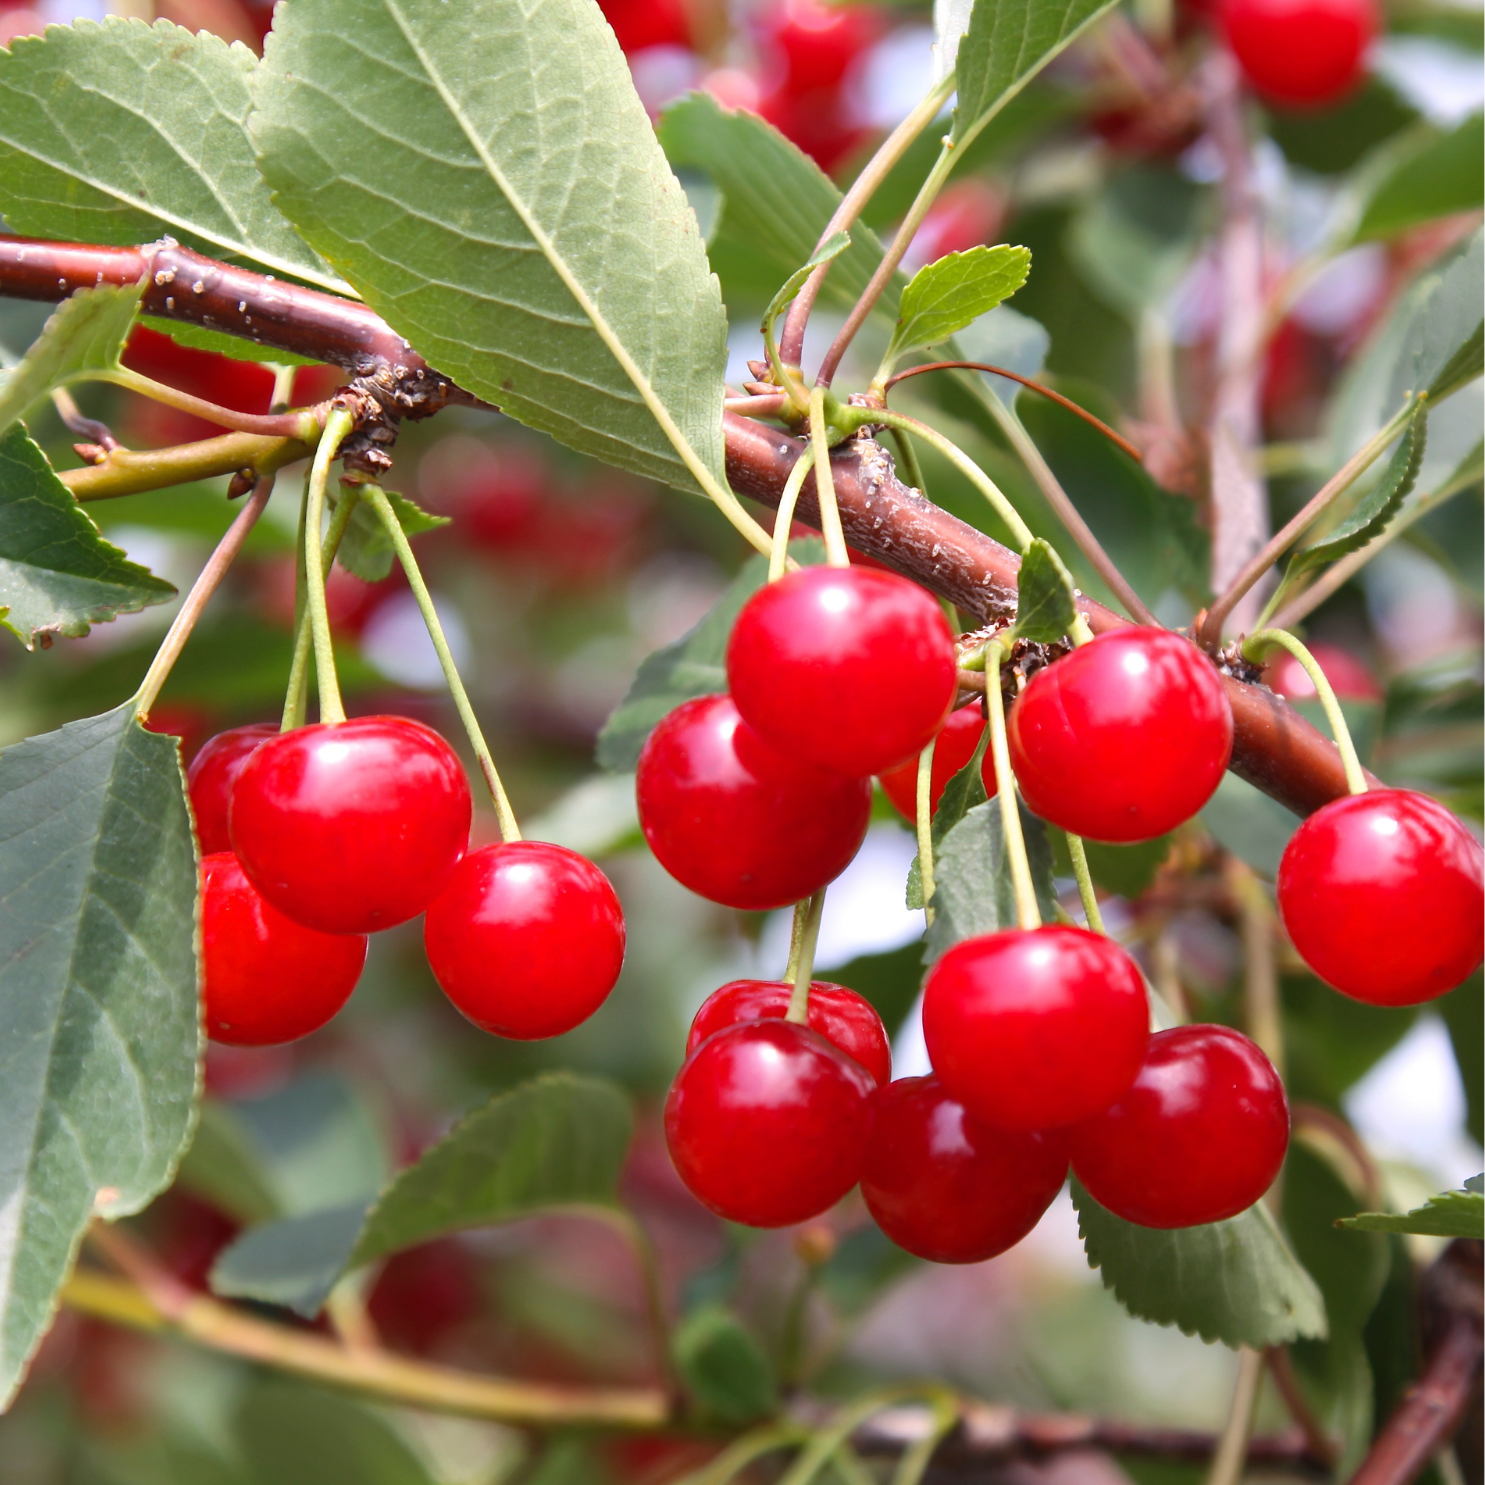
point(1450, 1214)
point(1046, 600)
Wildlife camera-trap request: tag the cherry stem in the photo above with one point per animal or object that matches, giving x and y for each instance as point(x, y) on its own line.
point(778, 559)
point(912, 471)
point(199, 596)
point(923, 818)
point(1232, 1447)
point(1079, 856)
point(301, 425)
point(1253, 649)
point(807, 916)
point(377, 498)
point(296, 693)
point(1027, 913)
point(845, 1422)
point(338, 425)
point(916, 1458)
point(830, 528)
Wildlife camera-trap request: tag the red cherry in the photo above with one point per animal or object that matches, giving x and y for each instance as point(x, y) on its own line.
point(846, 1020)
point(266, 978)
point(1124, 738)
point(948, 1188)
point(844, 667)
point(732, 819)
point(954, 747)
point(767, 1123)
point(819, 42)
point(641, 23)
point(1349, 678)
point(527, 939)
point(1382, 895)
point(210, 778)
point(1199, 1137)
point(1306, 53)
point(1034, 1029)
point(351, 827)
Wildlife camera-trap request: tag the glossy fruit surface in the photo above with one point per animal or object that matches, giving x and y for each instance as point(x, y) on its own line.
point(1199, 1137)
point(845, 1019)
point(848, 668)
point(731, 818)
point(266, 978)
point(210, 778)
point(527, 939)
point(948, 1188)
point(953, 748)
point(1306, 53)
point(1349, 678)
point(354, 826)
point(1124, 738)
point(1381, 894)
point(767, 1123)
point(1035, 1029)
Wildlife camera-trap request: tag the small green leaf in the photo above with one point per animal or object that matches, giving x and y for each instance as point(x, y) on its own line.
point(366, 549)
point(1235, 1281)
point(1450, 1214)
point(953, 292)
point(833, 247)
point(1429, 175)
point(57, 574)
point(723, 1368)
point(83, 337)
point(294, 1262)
point(962, 793)
point(1046, 599)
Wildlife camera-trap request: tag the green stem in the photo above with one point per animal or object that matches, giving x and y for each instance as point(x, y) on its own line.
point(1085, 882)
point(914, 1462)
point(337, 427)
point(1027, 913)
point(301, 425)
point(778, 558)
point(130, 471)
point(739, 1454)
point(923, 819)
point(1253, 648)
point(804, 960)
point(1232, 1448)
point(283, 386)
point(296, 694)
point(830, 527)
point(824, 1443)
point(509, 830)
point(912, 471)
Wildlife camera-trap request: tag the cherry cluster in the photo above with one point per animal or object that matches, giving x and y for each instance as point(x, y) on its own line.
point(314, 838)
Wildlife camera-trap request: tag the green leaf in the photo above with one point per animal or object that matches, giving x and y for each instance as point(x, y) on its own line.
point(57, 574)
point(1441, 347)
point(366, 549)
point(505, 206)
point(124, 132)
point(224, 1169)
point(833, 247)
point(964, 792)
point(98, 1004)
point(1432, 175)
point(723, 1368)
point(954, 291)
point(1235, 1281)
point(1005, 45)
point(294, 1262)
point(197, 339)
point(1046, 600)
point(1450, 1214)
point(83, 337)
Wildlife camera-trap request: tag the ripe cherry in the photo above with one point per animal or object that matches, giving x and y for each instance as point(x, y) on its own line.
point(1382, 895)
point(767, 1123)
point(1348, 676)
point(729, 817)
point(953, 748)
point(1306, 53)
point(266, 978)
point(845, 667)
point(846, 1020)
point(354, 826)
point(1124, 738)
point(210, 778)
point(1199, 1137)
point(1031, 1029)
point(948, 1188)
point(527, 939)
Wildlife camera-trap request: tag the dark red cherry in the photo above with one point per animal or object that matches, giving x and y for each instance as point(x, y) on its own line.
point(210, 778)
point(953, 748)
point(729, 817)
point(948, 1188)
point(845, 667)
point(1032, 1029)
point(1348, 676)
point(1382, 895)
point(1306, 53)
point(1124, 738)
point(527, 939)
point(767, 1123)
point(353, 826)
point(266, 978)
point(845, 1019)
point(1199, 1137)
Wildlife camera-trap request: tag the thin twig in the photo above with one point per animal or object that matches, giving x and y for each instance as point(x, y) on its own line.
point(1232, 1449)
point(77, 422)
point(300, 425)
point(129, 471)
point(1281, 1369)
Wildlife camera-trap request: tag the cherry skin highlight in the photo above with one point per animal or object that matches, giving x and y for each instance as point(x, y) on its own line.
point(210, 778)
point(1124, 738)
point(1198, 1138)
point(1382, 895)
point(734, 820)
point(265, 978)
point(848, 1021)
point(948, 1188)
point(353, 826)
point(767, 1123)
point(527, 939)
point(1304, 53)
point(1032, 1029)
point(847, 668)
point(953, 748)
